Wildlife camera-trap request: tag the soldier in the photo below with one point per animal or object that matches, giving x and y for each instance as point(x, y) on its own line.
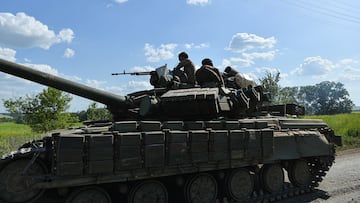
point(185, 70)
point(237, 80)
point(208, 75)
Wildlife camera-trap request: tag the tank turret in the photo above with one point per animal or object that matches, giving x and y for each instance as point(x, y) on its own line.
point(167, 102)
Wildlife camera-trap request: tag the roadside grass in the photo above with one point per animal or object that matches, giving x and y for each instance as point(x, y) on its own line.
point(13, 135)
point(346, 125)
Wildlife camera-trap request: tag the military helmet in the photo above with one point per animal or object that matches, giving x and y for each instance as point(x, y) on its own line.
point(207, 61)
point(183, 55)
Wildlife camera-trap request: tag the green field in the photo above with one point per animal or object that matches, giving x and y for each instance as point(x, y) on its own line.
point(5, 117)
point(12, 135)
point(347, 125)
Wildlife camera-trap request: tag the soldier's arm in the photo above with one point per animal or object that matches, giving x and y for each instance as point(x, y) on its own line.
point(180, 65)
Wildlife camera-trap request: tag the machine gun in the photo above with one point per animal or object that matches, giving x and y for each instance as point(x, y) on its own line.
point(135, 73)
point(160, 77)
point(160, 71)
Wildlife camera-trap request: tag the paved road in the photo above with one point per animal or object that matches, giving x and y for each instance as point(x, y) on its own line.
point(341, 184)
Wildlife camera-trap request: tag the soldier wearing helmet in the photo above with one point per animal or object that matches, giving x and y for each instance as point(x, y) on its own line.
point(208, 75)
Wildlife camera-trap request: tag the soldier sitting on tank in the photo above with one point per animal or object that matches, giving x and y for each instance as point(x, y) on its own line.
point(208, 75)
point(236, 80)
point(184, 72)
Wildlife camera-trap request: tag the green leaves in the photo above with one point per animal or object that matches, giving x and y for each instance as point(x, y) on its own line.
point(44, 112)
point(320, 99)
point(94, 113)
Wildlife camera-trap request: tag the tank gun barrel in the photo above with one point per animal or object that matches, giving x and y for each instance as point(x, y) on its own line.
point(109, 99)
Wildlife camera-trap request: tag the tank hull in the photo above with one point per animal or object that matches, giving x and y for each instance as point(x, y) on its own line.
point(169, 153)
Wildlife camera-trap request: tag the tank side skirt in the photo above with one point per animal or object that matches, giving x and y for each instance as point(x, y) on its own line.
point(285, 148)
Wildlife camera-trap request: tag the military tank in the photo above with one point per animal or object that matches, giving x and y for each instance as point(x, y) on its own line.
point(171, 144)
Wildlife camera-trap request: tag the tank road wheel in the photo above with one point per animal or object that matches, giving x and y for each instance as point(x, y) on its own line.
point(88, 195)
point(299, 173)
point(201, 188)
point(272, 177)
point(17, 179)
point(149, 191)
point(239, 184)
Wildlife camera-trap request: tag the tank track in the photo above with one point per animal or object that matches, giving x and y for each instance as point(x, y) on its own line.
point(318, 168)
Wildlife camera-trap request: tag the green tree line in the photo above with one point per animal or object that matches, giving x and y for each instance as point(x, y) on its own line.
point(324, 98)
point(47, 111)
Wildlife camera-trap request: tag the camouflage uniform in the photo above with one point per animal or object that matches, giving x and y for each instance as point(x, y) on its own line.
point(209, 76)
point(237, 80)
point(185, 70)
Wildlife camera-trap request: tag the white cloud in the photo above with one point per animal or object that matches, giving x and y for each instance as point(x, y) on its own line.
point(196, 46)
point(236, 62)
point(131, 86)
point(249, 48)
point(71, 77)
point(314, 66)
point(8, 54)
point(66, 35)
point(120, 1)
point(21, 30)
point(259, 55)
point(242, 42)
point(43, 68)
point(350, 69)
point(263, 70)
point(198, 2)
point(348, 61)
point(137, 84)
point(69, 53)
point(115, 89)
point(164, 52)
point(95, 83)
point(248, 59)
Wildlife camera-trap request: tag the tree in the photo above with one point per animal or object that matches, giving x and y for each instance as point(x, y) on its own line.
point(288, 95)
point(270, 83)
point(94, 113)
point(279, 95)
point(325, 98)
point(43, 112)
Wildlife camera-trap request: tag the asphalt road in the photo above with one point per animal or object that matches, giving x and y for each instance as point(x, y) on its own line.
point(341, 184)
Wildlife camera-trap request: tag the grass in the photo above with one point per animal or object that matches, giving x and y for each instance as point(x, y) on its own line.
point(346, 125)
point(13, 135)
point(2, 116)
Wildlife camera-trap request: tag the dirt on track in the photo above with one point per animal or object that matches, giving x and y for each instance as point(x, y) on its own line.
point(341, 184)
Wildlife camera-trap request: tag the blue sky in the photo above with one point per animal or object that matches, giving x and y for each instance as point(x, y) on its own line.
point(85, 41)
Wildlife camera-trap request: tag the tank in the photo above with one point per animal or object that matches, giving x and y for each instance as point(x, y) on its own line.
point(173, 143)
